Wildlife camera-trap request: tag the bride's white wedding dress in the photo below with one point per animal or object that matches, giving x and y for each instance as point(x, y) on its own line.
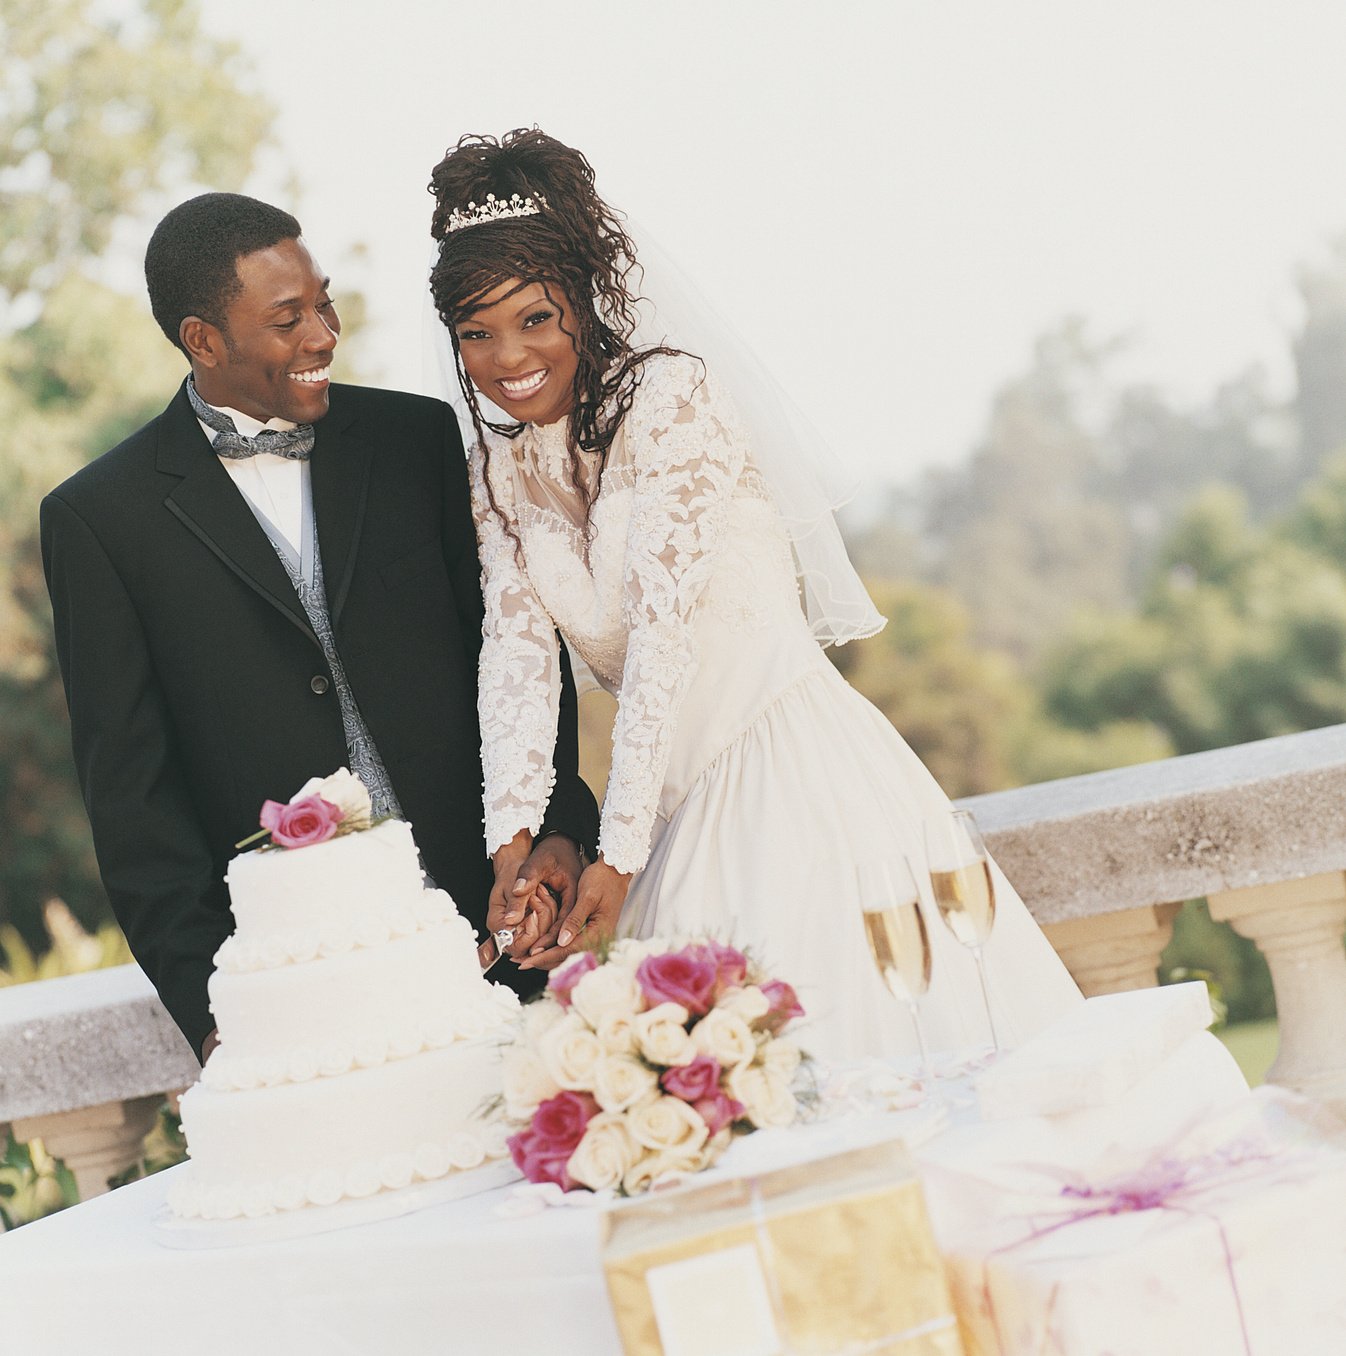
point(748, 778)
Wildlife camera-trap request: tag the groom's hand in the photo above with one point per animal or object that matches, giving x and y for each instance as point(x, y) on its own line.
point(533, 889)
point(593, 918)
point(547, 881)
point(504, 909)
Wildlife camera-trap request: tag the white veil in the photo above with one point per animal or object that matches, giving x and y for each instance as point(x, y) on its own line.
point(805, 478)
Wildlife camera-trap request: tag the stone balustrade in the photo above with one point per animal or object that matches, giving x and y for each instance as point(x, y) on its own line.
point(85, 1062)
point(1103, 861)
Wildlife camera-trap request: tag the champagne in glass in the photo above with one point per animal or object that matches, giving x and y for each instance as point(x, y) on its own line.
point(960, 879)
point(900, 946)
point(896, 932)
point(966, 900)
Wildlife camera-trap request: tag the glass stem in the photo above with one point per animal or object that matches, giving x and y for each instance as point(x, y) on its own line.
point(927, 1074)
point(986, 997)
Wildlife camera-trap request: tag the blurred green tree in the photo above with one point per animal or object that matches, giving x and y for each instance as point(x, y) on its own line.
point(1029, 528)
point(98, 119)
point(1320, 358)
point(1241, 634)
point(969, 712)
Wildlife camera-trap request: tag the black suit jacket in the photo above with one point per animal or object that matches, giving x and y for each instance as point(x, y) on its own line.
point(197, 689)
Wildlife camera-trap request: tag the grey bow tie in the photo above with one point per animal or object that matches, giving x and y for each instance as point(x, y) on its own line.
point(295, 443)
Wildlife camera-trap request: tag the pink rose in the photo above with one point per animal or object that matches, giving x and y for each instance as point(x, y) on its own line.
point(693, 1081)
point(687, 977)
point(536, 1165)
point(784, 1007)
point(731, 965)
point(565, 977)
point(301, 823)
point(542, 1151)
point(718, 1110)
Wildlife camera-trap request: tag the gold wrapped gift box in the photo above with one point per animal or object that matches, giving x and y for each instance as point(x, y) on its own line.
point(829, 1256)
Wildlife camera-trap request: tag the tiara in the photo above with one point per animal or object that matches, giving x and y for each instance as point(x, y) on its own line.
point(494, 209)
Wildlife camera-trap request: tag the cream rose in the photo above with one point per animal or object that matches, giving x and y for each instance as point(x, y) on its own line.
point(651, 1166)
point(608, 991)
point(526, 1084)
point(620, 1082)
point(749, 1003)
point(539, 1017)
point(570, 1052)
point(661, 1035)
point(668, 1125)
point(618, 1035)
point(781, 1057)
point(725, 1037)
point(605, 1155)
point(344, 790)
point(766, 1096)
point(630, 951)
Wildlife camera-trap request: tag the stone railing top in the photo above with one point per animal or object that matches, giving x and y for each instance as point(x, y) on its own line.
point(87, 1039)
point(1252, 814)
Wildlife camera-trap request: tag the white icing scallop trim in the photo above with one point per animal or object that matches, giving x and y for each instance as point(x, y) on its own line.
point(432, 909)
point(244, 1073)
point(189, 1198)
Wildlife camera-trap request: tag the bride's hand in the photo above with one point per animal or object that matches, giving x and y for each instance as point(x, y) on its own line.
point(598, 904)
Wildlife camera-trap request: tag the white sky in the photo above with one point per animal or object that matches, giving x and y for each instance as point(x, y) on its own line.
point(890, 199)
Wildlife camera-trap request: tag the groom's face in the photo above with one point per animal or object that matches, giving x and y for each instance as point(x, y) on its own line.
point(274, 352)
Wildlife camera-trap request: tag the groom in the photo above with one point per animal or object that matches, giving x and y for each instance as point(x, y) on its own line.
point(274, 578)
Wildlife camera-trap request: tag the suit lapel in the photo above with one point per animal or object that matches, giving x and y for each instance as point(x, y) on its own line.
point(340, 476)
point(209, 504)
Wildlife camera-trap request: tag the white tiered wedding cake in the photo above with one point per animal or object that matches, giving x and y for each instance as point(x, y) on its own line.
point(358, 1037)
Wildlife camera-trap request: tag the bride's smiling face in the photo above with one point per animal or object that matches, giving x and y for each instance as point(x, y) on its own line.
point(517, 353)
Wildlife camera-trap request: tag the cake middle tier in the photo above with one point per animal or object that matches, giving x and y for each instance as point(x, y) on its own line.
point(356, 1009)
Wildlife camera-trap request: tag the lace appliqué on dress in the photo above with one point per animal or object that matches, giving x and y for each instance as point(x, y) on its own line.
point(625, 593)
point(519, 679)
point(688, 458)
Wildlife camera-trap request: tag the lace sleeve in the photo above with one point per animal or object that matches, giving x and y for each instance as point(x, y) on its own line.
point(519, 676)
point(688, 457)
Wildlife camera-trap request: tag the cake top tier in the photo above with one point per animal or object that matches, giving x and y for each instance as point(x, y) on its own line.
point(350, 882)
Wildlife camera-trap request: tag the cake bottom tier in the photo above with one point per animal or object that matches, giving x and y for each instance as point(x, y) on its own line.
point(266, 1149)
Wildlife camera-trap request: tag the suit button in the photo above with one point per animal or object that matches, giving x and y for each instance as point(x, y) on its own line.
point(319, 684)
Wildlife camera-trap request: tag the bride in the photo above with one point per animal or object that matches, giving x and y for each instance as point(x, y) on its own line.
point(621, 502)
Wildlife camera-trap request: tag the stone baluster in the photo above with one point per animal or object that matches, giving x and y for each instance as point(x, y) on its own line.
point(94, 1142)
point(1298, 926)
point(1109, 952)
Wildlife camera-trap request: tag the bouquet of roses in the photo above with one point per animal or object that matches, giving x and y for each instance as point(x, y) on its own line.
point(647, 1063)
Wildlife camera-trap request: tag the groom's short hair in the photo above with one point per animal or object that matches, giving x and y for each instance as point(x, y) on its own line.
point(191, 260)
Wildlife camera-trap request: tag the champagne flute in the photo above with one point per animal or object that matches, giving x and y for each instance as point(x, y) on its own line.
point(960, 879)
point(898, 941)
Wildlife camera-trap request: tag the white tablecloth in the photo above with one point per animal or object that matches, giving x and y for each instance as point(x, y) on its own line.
point(454, 1278)
point(461, 1277)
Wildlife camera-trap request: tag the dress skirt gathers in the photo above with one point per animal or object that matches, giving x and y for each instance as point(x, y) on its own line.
point(762, 851)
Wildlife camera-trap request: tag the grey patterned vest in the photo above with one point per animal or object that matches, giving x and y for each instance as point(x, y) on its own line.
point(305, 571)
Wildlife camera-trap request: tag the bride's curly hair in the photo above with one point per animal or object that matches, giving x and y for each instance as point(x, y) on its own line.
point(576, 244)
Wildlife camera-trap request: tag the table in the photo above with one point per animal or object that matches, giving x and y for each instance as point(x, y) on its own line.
point(460, 1278)
point(94, 1281)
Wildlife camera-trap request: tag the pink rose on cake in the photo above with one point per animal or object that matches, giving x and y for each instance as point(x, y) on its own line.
point(301, 823)
point(323, 808)
point(645, 1064)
